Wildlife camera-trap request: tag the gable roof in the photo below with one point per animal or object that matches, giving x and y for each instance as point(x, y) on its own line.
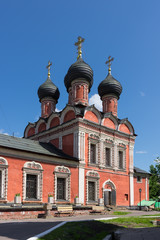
point(33, 146)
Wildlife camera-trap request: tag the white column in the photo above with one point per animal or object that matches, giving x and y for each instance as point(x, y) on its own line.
point(75, 145)
point(131, 181)
point(131, 149)
point(81, 185)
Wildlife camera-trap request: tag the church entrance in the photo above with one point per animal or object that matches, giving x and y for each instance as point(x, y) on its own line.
point(109, 194)
point(61, 188)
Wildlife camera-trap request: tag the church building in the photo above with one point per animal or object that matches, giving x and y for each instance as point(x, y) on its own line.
point(79, 152)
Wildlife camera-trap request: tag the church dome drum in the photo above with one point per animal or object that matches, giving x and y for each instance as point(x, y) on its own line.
point(79, 69)
point(48, 89)
point(110, 86)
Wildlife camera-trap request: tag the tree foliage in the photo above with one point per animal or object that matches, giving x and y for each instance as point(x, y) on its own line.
point(154, 181)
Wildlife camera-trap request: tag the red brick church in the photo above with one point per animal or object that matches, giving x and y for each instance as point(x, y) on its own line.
point(77, 152)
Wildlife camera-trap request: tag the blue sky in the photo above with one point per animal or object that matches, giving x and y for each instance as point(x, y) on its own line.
point(34, 32)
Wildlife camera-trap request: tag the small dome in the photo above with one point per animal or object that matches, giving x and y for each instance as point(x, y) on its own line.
point(79, 69)
point(110, 86)
point(48, 89)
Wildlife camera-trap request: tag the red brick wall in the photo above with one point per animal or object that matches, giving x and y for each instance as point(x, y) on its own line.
point(69, 115)
point(124, 128)
point(55, 142)
point(67, 144)
point(91, 117)
point(137, 186)
point(55, 122)
point(31, 132)
point(109, 123)
point(42, 127)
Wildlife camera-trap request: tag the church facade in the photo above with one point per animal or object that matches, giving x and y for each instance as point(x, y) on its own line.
point(79, 152)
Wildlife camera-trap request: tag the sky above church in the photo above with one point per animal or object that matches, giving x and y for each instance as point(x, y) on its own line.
point(34, 32)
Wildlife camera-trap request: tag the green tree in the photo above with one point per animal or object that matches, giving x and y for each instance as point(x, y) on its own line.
point(154, 181)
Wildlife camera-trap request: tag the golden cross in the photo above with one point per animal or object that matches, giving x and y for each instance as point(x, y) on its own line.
point(79, 44)
point(48, 66)
point(109, 64)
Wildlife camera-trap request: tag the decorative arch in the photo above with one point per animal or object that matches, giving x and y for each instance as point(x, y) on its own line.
point(92, 114)
point(40, 126)
point(126, 126)
point(53, 120)
point(112, 118)
point(32, 170)
point(64, 112)
point(28, 132)
point(109, 194)
point(3, 178)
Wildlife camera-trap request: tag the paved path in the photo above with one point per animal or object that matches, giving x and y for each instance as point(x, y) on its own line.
point(24, 229)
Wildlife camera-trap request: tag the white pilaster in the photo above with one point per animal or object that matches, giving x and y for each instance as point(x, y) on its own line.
point(131, 181)
point(60, 142)
point(81, 185)
point(146, 189)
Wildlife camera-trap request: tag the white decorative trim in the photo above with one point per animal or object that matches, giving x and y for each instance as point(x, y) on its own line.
point(146, 189)
point(131, 182)
point(122, 148)
point(81, 185)
point(93, 139)
point(4, 178)
point(30, 125)
point(110, 183)
point(67, 109)
point(92, 176)
point(108, 143)
point(33, 168)
point(60, 142)
point(51, 117)
point(95, 111)
point(62, 172)
point(113, 119)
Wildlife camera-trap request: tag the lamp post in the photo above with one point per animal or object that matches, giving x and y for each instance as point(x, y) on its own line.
point(140, 190)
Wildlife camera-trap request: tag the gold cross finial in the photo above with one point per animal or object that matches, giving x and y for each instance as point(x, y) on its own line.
point(48, 66)
point(109, 64)
point(79, 44)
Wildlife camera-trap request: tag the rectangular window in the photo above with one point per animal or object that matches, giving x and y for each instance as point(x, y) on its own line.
point(0, 184)
point(93, 153)
point(120, 159)
point(31, 186)
point(61, 189)
point(108, 157)
point(139, 179)
point(91, 191)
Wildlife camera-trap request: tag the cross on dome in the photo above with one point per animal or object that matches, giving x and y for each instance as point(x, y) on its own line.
point(48, 67)
point(109, 62)
point(79, 46)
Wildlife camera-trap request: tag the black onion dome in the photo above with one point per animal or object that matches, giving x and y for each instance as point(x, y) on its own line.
point(48, 89)
point(110, 86)
point(79, 69)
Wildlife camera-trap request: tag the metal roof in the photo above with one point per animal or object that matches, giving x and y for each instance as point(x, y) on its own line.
point(32, 146)
point(138, 170)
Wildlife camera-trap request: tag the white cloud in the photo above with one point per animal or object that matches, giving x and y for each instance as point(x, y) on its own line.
point(57, 110)
point(95, 99)
point(142, 94)
point(2, 131)
point(141, 152)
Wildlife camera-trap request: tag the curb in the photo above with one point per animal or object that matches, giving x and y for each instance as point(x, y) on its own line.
point(46, 232)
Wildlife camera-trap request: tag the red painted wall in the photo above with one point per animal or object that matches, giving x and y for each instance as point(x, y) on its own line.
point(55, 142)
point(91, 117)
point(67, 144)
point(42, 127)
point(109, 123)
point(137, 186)
point(31, 132)
point(124, 128)
point(69, 115)
point(55, 122)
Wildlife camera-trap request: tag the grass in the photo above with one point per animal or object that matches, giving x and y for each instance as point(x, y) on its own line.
point(132, 222)
point(90, 230)
point(121, 213)
point(96, 230)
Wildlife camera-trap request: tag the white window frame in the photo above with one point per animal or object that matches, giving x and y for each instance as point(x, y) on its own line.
point(4, 178)
point(122, 148)
point(93, 139)
point(92, 176)
point(33, 168)
point(62, 172)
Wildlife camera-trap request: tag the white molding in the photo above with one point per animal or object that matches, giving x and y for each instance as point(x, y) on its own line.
point(131, 182)
point(81, 185)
